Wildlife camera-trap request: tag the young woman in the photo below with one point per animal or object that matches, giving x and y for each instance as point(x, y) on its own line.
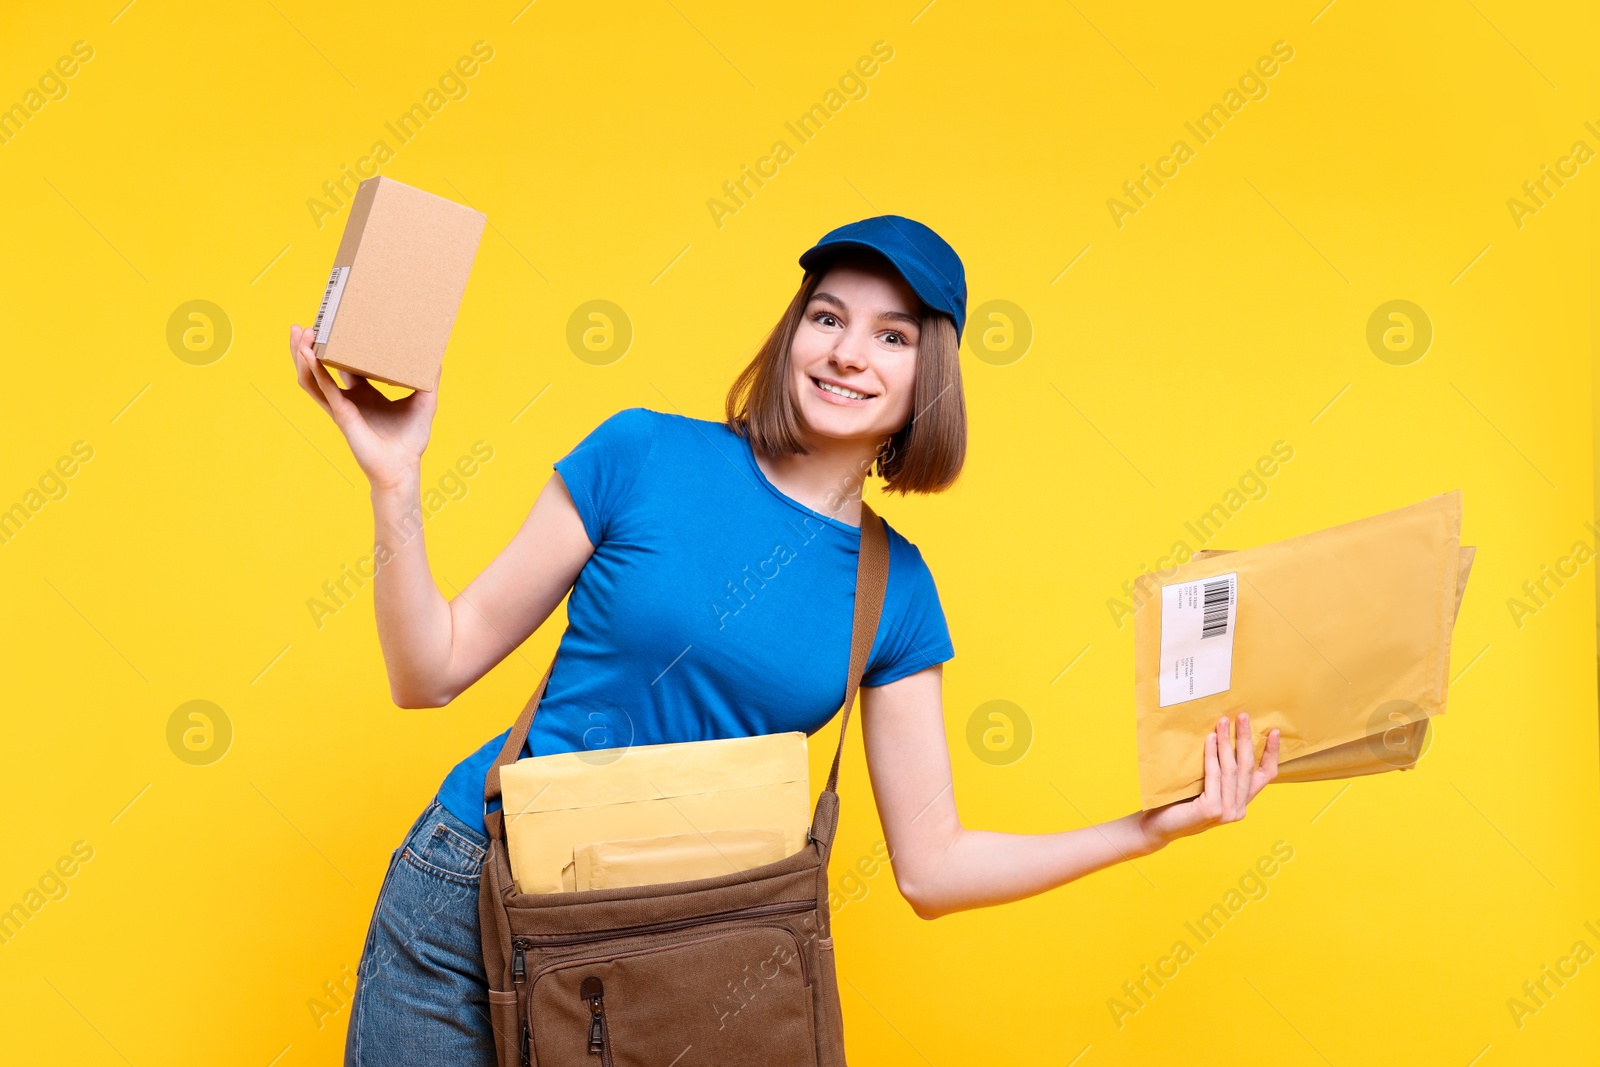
point(711, 567)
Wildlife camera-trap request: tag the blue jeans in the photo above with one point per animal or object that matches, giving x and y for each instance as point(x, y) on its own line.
point(421, 992)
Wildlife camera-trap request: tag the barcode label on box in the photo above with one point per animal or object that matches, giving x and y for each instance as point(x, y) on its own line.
point(1197, 624)
point(330, 303)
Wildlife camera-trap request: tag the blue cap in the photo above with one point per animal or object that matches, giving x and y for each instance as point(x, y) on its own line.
point(923, 258)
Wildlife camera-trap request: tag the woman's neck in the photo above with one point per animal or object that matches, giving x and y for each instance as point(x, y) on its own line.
point(828, 479)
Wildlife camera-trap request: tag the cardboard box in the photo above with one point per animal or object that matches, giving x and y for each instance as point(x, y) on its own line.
point(396, 284)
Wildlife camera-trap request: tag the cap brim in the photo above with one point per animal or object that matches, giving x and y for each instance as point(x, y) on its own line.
point(926, 289)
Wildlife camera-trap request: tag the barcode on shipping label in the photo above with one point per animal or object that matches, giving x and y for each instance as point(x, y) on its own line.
point(1197, 624)
point(330, 303)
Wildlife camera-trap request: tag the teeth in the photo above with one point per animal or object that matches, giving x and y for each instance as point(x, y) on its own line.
point(841, 390)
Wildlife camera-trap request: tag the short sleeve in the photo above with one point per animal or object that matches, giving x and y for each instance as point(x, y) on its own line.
point(912, 635)
point(600, 472)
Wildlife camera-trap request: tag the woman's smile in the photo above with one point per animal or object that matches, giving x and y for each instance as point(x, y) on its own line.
point(836, 392)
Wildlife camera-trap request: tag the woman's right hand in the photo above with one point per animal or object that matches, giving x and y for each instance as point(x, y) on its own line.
point(1232, 780)
point(387, 437)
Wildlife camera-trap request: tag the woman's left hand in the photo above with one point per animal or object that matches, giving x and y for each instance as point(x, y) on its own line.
point(1232, 780)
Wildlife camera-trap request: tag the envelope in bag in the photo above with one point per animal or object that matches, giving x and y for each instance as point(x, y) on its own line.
point(606, 818)
point(1330, 637)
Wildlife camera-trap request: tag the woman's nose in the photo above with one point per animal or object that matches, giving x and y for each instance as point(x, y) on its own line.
point(849, 352)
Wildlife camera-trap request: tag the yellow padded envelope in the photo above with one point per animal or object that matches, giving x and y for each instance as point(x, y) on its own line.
point(1324, 637)
point(1391, 743)
point(675, 858)
point(711, 807)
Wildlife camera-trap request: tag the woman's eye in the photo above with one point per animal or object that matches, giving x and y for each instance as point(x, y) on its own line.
point(899, 339)
point(823, 315)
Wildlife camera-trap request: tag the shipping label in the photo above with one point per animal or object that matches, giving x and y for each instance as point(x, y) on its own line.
point(330, 303)
point(1197, 624)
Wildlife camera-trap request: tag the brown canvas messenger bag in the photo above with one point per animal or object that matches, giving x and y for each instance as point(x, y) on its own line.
point(736, 969)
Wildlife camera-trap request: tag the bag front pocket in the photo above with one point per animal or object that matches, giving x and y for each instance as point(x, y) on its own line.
point(730, 997)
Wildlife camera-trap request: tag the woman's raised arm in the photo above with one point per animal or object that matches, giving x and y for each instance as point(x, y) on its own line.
point(942, 867)
point(433, 648)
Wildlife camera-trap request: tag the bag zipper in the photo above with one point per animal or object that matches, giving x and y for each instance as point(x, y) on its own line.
point(519, 962)
point(525, 941)
point(639, 950)
point(519, 975)
point(593, 991)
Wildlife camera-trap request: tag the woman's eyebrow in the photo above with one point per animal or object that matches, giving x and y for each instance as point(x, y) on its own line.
point(840, 304)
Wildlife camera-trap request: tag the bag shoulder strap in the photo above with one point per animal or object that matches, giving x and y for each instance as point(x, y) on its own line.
point(872, 577)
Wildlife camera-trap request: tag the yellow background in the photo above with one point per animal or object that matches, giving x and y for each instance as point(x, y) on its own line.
point(1227, 314)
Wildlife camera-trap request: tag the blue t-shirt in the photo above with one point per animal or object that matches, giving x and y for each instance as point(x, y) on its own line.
point(713, 606)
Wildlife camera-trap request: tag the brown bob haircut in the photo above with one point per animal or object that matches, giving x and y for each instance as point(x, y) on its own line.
point(924, 456)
